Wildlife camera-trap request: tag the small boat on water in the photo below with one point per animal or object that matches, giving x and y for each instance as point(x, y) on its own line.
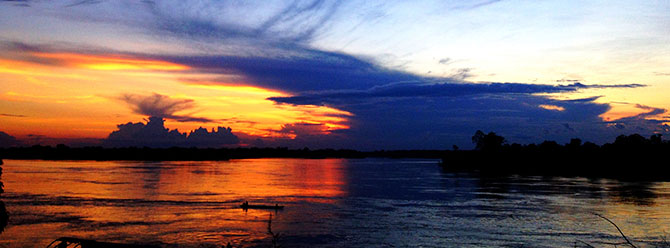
point(246, 206)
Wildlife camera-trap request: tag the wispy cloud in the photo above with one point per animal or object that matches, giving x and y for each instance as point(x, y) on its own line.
point(12, 115)
point(157, 105)
point(451, 89)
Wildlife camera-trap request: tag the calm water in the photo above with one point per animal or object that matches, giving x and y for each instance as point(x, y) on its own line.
point(329, 203)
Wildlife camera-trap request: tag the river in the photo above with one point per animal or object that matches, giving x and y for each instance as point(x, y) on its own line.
point(328, 203)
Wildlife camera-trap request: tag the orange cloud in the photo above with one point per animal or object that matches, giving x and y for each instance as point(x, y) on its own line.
point(110, 62)
point(551, 107)
point(65, 94)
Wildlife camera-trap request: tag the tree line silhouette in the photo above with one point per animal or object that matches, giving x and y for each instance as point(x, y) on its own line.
point(628, 157)
point(63, 152)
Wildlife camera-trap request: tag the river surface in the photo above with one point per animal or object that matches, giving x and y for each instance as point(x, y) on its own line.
point(328, 203)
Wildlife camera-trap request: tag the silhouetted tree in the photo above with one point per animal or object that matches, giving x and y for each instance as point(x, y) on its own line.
point(575, 143)
point(630, 140)
point(487, 142)
point(549, 146)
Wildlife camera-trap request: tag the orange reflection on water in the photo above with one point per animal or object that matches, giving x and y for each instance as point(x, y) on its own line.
point(170, 202)
point(255, 179)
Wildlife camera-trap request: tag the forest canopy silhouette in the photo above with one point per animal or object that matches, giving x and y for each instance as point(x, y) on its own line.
point(628, 157)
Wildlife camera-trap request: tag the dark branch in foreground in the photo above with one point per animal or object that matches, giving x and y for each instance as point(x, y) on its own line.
point(618, 229)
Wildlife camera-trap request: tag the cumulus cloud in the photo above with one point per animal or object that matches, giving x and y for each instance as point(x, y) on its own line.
point(155, 134)
point(203, 138)
point(161, 106)
point(7, 140)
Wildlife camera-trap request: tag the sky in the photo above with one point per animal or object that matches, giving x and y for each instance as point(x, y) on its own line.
point(363, 75)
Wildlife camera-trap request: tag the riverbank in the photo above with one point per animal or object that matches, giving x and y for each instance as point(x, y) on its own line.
point(61, 152)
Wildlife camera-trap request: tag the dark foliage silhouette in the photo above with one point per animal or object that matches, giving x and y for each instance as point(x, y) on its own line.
point(487, 142)
point(631, 157)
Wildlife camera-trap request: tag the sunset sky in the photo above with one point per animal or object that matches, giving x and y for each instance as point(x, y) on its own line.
point(336, 74)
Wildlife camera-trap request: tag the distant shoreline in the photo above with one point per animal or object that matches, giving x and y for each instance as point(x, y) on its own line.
point(630, 157)
point(198, 154)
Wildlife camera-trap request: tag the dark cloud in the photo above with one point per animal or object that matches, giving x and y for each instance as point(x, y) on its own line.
point(300, 135)
point(567, 127)
point(203, 138)
point(296, 22)
point(18, 3)
point(303, 130)
point(641, 123)
point(564, 80)
point(462, 74)
point(406, 115)
point(83, 2)
point(452, 89)
point(154, 134)
point(476, 4)
point(440, 122)
point(12, 115)
point(151, 134)
point(444, 61)
point(312, 71)
point(162, 106)
point(7, 140)
point(394, 109)
point(315, 71)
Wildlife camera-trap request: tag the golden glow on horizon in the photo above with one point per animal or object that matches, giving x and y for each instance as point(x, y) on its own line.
point(253, 101)
point(621, 101)
point(67, 94)
point(70, 95)
point(112, 62)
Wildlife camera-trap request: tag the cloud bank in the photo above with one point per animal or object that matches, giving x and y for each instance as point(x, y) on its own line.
point(154, 134)
point(7, 140)
point(269, 46)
